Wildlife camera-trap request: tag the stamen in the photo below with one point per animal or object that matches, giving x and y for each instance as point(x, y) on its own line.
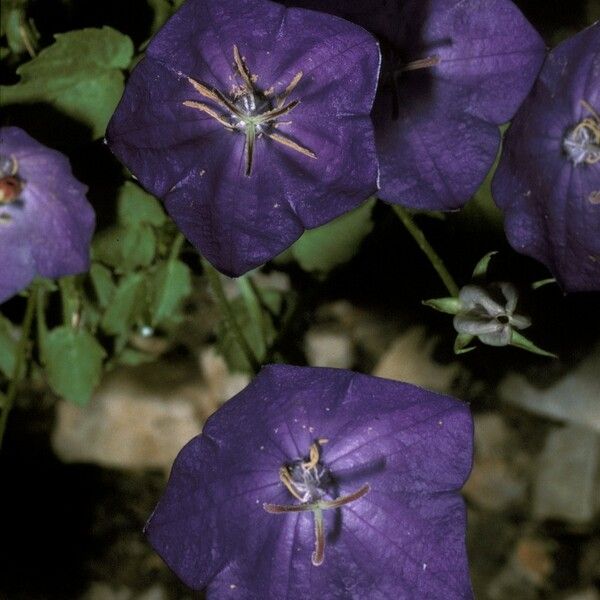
point(242, 69)
point(277, 112)
point(278, 137)
point(290, 88)
point(422, 63)
point(209, 111)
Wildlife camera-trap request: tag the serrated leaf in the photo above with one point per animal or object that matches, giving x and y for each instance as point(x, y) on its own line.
point(322, 249)
point(169, 284)
point(126, 305)
point(125, 248)
point(8, 347)
point(73, 363)
point(80, 75)
point(447, 305)
point(136, 207)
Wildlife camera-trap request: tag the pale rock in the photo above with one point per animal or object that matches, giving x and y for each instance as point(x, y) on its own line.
point(327, 348)
point(588, 594)
point(104, 591)
point(495, 483)
point(567, 475)
point(409, 359)
point(221, 383)
point(526, 573)
point(126, 424)
point(574, 399)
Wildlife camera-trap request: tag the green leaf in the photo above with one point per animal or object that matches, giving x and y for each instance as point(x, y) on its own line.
point(169, 284)
point(520, 341)
point(136, 207)
point(125, 248)
point(322, 249)
point(127, 304)
point(447, 305)
point(274, 305)
point(8, 347)
point(79, 75)
point(73, 363)
point(133, 358)
point(481, 267)
point(103, 283)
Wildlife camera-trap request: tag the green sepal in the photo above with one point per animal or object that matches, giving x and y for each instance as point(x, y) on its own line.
point(448, 305)
point(481, 267)
point(522, 342)
point(461, 343)
point(73, 363)
point(536, 285)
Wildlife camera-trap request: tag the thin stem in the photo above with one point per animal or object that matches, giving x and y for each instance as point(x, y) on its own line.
point(229, 316)
point(176, 247)
point(20, 361)
point(432, 255)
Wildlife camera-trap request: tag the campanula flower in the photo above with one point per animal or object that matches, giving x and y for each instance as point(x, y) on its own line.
point(453, 70)
point(321, 483)
point(252, 123)
point(46, 222)
point(548, 180)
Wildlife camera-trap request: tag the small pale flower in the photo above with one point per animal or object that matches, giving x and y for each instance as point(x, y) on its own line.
point(488, 313)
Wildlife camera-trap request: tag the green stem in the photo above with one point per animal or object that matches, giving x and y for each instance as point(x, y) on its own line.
point(229, 316)
point(432, 255)
point(176, 247)
point(21, 357)
point(40, 321)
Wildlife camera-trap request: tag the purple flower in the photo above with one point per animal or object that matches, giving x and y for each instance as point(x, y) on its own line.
point(46, 222)
point(322, 483)
point(548, 180)
point(252, 123)
point(453, 71)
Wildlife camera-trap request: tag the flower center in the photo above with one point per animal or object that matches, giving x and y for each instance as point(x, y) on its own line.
point(307, 480)
point(11, 185)
point(249, 110)
point(582, 142)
